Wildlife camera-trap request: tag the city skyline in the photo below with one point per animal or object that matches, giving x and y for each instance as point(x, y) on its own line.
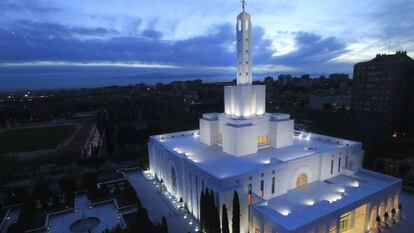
point(290, 37)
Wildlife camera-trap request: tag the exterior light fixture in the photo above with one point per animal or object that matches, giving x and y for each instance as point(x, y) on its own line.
point(341, 190)
point(284, 212)
point(355, 184)
point(309, 202)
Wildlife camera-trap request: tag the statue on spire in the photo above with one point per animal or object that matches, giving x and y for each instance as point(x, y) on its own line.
point(243, 3)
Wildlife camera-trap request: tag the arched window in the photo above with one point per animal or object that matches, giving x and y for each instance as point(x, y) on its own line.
point(301, 180)
point(173, 179)
point(246, 25)
point(239, 26)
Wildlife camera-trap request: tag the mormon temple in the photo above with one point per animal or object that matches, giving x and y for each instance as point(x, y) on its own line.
point(287, 181)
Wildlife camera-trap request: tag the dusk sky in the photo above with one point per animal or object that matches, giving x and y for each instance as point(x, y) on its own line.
point(289, 36)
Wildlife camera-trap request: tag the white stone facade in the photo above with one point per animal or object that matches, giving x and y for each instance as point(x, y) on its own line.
point(287, 181)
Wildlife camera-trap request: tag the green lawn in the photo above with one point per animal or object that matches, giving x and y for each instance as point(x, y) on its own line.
point(22, 140)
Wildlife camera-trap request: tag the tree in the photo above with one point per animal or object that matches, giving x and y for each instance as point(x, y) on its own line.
point(224, 220)
point(15, 228)
point(213, 214)
point(404, 169)
point(202, 210)
point(89, 180)
point(127, 135)
point(236, 213)
point(211, 211)
point(68, 184)
point(109, 140)
point(216, 220)
point(327, 106)
point(164, 226)
point(42, 192)
point(206, 210)
point(379, 165)
point(143, 223)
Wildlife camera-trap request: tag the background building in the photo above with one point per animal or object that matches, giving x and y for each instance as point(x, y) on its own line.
point(384, 86)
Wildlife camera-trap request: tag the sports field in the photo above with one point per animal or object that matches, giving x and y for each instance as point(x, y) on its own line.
point(31, 139)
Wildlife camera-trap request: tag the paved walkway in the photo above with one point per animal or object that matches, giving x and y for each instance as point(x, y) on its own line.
point(14, 215)
point(407, 224)
point(152, 200)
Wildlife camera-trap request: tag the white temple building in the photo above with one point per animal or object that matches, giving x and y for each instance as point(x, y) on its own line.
point(288, 181)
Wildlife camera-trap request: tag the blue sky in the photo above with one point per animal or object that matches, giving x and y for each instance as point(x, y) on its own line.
point(290, 36)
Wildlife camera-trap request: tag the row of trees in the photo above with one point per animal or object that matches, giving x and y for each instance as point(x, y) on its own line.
point(209, 214)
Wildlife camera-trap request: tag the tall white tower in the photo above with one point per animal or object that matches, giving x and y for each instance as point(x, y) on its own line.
point(244, 128)
point(244, 59)
point(245, 99)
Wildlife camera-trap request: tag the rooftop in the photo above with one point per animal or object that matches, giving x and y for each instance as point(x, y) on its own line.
point(301, 206)
point(222, 165)
point(399, 56)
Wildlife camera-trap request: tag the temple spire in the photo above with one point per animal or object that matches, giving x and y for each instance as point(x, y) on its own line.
point(244, 59)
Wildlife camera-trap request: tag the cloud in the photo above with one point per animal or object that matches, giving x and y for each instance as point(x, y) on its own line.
point(53, 42)
point(131, 64)
point(285, 33)
point(26, 6)
point(153, 34)
point(34, 42)
point(312, 50)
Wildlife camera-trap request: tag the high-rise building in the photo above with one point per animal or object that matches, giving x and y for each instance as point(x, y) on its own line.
point(384, 86)
point(287, 181)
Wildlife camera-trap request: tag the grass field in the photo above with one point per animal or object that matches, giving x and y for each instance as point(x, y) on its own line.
point(31, 139)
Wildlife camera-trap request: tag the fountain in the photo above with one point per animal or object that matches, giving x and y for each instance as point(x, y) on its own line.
point(84, 224)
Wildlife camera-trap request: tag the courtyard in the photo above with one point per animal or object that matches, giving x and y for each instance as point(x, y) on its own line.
point(98, 218)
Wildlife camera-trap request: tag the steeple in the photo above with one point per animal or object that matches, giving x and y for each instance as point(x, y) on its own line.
point(243, 32)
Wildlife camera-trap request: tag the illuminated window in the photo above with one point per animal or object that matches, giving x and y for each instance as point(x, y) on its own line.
point(263, 139)
point(220, 138)
point(345, 223)
point(301, 180)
